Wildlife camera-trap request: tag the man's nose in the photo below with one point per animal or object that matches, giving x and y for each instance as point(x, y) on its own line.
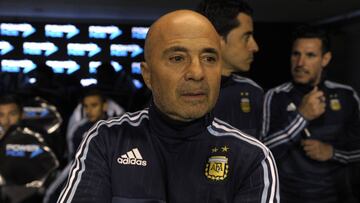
point(253, 46)
point(195, 71)
point(300, 61)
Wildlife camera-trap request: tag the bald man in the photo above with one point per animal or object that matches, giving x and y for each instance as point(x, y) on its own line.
point(174, 151)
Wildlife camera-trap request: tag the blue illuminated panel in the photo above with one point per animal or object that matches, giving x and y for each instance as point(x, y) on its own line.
point(135, 68)
point(60, 31)
point(78, 49)
point(117, 66)
point(139, 32)
point(67, 67)
point(39, 48)
point(122, 50)
point(17, 29)
point(5, 47)
point(15, 66)
point(104, 32)
point(93, 65)
point(137, 83)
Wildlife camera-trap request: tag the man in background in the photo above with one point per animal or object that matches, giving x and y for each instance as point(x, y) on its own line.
point(10, 112)
point(95, 107)
point(312, 125)
point(240, 99)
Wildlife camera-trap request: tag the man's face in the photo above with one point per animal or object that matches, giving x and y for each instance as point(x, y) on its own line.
point(239, 46)
point(94, 107)
point(308, 61)
point(184, 71)
point(10, 115)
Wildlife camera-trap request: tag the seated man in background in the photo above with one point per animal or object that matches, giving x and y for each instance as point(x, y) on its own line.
point(174, 151)
point(95, 106)
point(312, 125)
point(25, 157)
point(10, 112)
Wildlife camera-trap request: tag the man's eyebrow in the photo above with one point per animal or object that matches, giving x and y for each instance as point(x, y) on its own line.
point(175, 49)
point(210, 50)
point(249, 33)
point(184, 49)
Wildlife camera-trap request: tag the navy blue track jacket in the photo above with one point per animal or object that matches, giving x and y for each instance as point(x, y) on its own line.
point(240, 104)
point(301, 178)
point(145, 157)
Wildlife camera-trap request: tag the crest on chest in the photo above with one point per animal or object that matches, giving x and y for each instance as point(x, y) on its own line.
point(217, 166)
point(245, 102)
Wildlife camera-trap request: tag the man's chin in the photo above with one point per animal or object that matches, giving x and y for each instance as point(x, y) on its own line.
point(189, 114)
point(301, 81)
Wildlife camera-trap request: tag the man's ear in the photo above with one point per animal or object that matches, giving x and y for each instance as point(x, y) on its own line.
point(105, 106)
point(326, 59)
point(146, 74)
point(222, 41)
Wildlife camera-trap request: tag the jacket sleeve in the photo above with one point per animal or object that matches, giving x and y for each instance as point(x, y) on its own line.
point(349, 149)
point(282, 126)
point(262, 185)
point(89, 177)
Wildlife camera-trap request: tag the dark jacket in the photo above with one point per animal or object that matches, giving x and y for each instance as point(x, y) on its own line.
point(301, 178)
point(145, 157)
point(240, 104)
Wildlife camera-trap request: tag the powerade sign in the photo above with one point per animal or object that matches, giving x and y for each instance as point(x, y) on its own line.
point(23, 150)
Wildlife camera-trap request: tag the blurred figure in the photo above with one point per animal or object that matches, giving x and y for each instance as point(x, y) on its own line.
point(10, 112)
point(106, 76)
point(240, 99)
point(26, 160)
point(95, 107)
point(312, 125)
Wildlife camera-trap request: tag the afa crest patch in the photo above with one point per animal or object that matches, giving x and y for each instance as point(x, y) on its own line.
point(335, 104)
point(217, 168)
point(245, 105)
point(245, 102)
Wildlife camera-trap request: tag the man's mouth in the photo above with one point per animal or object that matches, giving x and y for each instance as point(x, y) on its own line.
point(300, 71)
point(194, 95)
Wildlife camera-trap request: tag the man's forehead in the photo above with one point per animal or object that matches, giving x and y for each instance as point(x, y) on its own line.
point(179, 27)
point(307, 43)
point(8, 107)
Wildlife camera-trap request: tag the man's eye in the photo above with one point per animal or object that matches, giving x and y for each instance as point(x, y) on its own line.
point(210, 59)
point(176, 59)
point(310, 55)
point(295, 54)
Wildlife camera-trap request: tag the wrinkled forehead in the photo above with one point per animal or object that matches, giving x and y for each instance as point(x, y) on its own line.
point(191, 36)
point(181, 25)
